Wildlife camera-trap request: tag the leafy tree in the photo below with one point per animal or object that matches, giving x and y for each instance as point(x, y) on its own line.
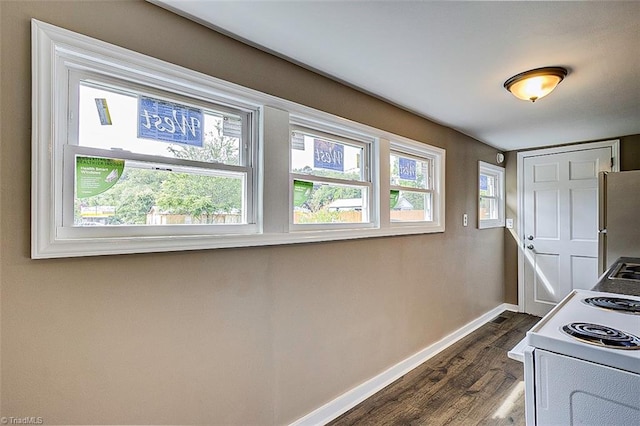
point(134, 206)
point(216, 148)
point(199, 196)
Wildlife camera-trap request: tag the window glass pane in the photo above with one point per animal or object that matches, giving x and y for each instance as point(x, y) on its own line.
point(327, 203)
point(412, 206)
point(325, 157)
point(409, 172)
point(488, 185)
point(116, 119)
point(119, 192)
point(488, 208)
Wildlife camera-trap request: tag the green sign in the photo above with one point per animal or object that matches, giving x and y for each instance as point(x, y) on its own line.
point(301, 192)
point(395, 195)
point(96, 175)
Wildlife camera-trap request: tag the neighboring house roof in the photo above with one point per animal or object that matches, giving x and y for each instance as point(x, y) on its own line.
point(403, 204)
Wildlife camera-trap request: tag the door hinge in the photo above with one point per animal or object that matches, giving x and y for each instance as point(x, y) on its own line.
point(611, 163)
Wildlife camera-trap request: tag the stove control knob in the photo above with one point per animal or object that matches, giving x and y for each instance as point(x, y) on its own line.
point(530, 237)
point(530, 247)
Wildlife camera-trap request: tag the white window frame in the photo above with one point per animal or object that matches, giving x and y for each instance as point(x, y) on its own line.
point(328, 132)
point(436, 159)
point(72, 148)
point(61, 60)
point(497, 173)
point(55, 51)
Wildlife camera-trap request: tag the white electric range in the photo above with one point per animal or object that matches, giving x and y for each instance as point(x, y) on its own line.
point(582, 362)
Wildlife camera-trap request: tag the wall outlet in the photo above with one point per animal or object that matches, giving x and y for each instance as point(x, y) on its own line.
point(465, 220)
point(509, 223)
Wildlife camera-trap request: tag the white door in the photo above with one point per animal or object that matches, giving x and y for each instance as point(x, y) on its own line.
point(560, 202)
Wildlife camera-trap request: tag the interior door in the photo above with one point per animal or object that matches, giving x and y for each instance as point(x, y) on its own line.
point(560, 225)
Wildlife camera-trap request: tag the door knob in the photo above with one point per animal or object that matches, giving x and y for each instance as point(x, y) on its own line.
point(530, 246)
point(530, 237)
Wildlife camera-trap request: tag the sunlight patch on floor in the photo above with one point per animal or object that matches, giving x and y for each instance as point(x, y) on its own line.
point(507, 406)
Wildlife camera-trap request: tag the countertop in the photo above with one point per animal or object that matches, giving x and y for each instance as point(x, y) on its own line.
point(619, 285)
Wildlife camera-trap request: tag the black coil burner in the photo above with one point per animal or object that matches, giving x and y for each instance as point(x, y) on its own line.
point(627, 271)
point(618, 304)
point(600, 335)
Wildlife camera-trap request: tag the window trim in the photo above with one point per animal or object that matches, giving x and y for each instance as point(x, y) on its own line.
point(366, 143)
point(71, 146)
point(54, 48)
point(436, 158)
point(499, 173)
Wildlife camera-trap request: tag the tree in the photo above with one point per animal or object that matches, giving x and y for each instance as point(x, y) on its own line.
point(138, 190)
point(201, 195)
point(216, 148)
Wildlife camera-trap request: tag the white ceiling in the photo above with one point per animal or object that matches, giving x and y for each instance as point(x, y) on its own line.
point(447, 61)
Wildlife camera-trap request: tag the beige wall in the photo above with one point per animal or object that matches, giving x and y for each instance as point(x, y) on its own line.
point(630, 152)
point(234, 336)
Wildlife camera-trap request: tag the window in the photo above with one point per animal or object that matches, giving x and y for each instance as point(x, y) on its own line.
point(153, 159)
point(410, 195)
point(131, 154)
point(491, 195)
point(330, 180)
point(416, 180)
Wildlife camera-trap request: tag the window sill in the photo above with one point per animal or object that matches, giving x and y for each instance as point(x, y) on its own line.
point(128, 245)
point(491, 224)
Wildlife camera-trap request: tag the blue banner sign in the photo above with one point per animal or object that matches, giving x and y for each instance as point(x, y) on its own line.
point(484, 184)
point(328, 155)
point(407, 168)
point(169, 122)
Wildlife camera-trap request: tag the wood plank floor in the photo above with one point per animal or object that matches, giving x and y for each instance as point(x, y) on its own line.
point(473, 382)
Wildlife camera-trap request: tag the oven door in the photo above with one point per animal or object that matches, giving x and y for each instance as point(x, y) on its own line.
point(571, 391)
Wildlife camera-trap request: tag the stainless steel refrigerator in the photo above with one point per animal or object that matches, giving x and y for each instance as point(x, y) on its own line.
point(618, 216)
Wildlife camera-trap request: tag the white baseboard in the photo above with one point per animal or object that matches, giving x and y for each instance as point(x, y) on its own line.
point(510, 307)
point(351, 398)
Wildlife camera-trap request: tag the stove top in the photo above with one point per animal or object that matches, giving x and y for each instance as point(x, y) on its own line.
point(579, 328)
point(626, 271)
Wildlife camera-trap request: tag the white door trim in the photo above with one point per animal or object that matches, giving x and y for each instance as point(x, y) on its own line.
point(614, 144)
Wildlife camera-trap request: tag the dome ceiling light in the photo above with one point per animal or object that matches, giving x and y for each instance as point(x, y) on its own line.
point(535, 84)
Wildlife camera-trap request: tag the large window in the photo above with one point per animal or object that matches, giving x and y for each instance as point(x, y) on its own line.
point(141, 158)
point(131, 154)
point(491, 195)
point(330, 179)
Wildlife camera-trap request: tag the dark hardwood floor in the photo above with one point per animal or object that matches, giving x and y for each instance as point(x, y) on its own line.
point(473, 382)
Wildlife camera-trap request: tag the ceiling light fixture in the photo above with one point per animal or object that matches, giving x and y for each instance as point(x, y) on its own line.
point(535, 84)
